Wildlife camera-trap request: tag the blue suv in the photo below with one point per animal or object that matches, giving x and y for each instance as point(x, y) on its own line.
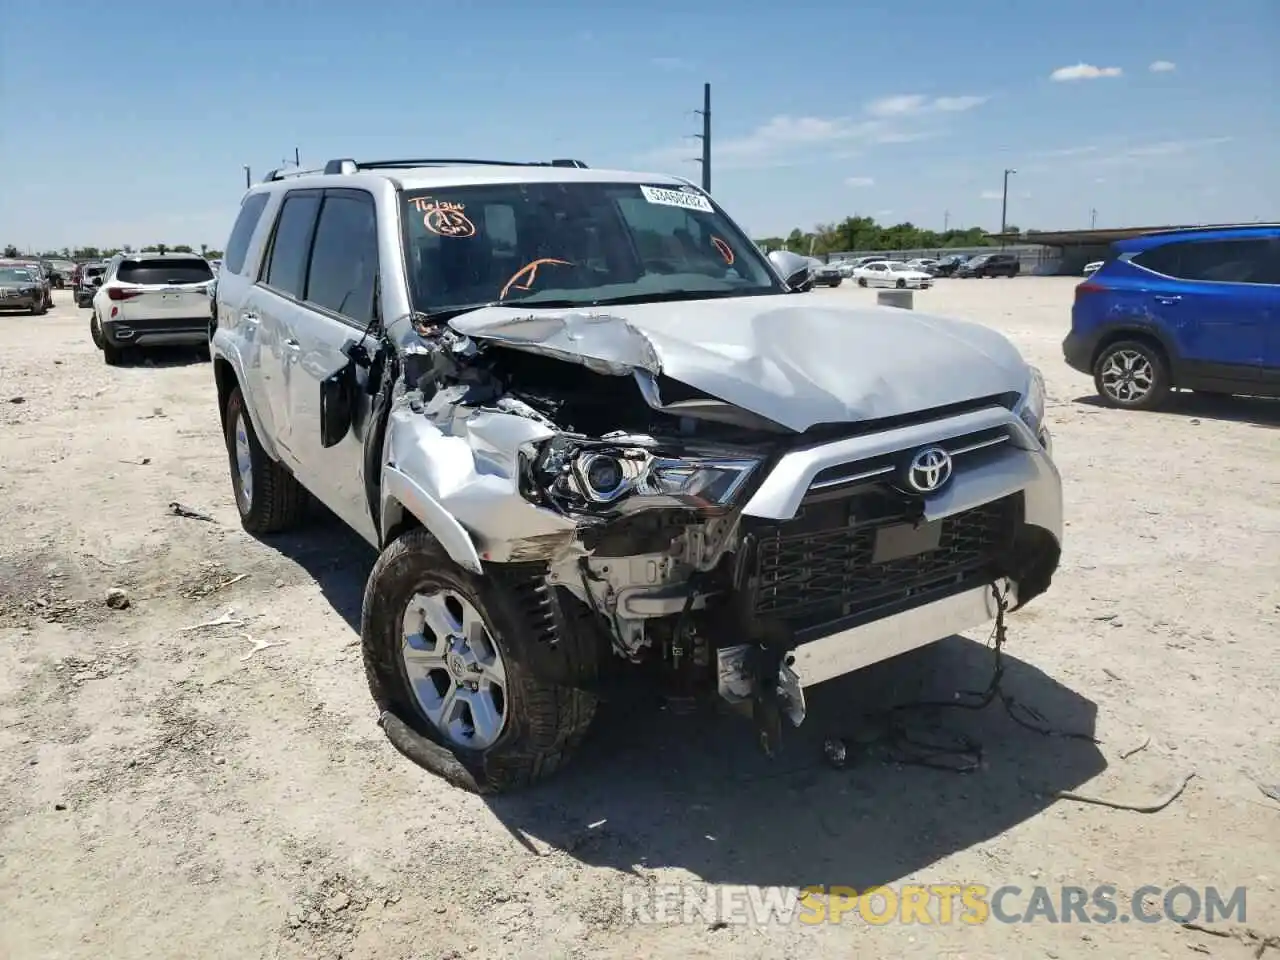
point(1193, 309)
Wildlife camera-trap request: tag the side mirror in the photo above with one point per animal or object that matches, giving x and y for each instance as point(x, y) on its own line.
point(794, 269)
point(337, 393)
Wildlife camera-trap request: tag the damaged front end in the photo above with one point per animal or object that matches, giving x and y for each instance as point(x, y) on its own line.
point(624, 493)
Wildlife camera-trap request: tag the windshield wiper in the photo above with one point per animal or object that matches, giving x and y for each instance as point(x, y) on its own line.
point(670, 296)
point(445, 314)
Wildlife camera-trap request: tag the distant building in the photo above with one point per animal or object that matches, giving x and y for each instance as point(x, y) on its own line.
point(1067, 251)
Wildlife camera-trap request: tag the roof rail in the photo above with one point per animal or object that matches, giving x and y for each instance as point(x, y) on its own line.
point(347, 165)
point(283, 172)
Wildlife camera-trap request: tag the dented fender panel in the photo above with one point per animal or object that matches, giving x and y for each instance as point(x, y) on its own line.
point(466, 469)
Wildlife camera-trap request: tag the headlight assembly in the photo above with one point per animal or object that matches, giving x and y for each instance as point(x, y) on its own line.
point(604, 476)
point(1031, 407)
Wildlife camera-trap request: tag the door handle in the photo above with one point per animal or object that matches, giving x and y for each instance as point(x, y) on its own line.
point(1168, 299)
point(292, 344)
point(248, 317)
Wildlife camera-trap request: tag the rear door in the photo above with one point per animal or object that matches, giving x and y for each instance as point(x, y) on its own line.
point(272, 309)
point(165, 289)
point(340, 305)
point(1211, 296)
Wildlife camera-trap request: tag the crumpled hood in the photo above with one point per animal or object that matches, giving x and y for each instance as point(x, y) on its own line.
point(792, 358)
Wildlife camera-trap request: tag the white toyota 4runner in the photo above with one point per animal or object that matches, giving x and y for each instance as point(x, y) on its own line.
point(598, 439)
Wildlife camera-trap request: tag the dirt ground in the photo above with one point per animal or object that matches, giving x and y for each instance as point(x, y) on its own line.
point(224, 791)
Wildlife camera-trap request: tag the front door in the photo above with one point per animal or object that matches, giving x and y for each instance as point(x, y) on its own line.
point(338, 307)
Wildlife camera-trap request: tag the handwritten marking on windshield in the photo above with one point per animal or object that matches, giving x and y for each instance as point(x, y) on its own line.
point(445, 218)
point(523, 279)
point(725, 250)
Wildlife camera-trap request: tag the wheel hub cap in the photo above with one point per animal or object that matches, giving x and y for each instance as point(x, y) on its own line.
point(454, 668)
point(244, 462)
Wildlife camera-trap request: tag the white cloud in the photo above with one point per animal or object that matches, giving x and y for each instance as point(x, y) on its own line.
point(859, 181)
point(991, 195)
point(1084, 71)
point(897, 106)
point(911, 104)
point(1146, 152)
point(783, 141)
point(1163, 66)
point(958, 104)
point(1066, 152)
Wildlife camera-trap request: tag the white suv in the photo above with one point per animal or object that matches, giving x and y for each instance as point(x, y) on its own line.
point(597, 441)
point(151, 300)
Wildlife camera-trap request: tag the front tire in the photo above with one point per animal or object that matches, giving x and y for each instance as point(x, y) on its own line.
point(902, 284)
point(1131, 375)
point(449, 656)
point(268, 498)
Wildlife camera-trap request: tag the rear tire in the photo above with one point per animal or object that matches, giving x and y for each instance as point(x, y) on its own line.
point(528, 732)
point(862, 281)
point(112, 356)
point(268, 498)
point(1131, 375)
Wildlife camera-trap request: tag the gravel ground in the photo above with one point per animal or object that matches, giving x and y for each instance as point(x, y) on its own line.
point(224, 791)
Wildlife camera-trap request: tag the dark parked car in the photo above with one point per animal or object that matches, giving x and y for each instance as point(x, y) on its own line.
point(827, 274)
point(21, 288)
point(1194, 309)
point(36, 269)
point(948, 265)
point(990, 265)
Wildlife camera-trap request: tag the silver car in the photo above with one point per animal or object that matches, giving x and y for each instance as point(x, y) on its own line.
point(598, 440)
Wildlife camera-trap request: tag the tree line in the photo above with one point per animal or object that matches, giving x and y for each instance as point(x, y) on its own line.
point(95, 253)
point(864, 233)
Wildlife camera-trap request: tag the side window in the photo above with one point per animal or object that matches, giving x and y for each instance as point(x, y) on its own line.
point(286, 269)
point(344, 258)
point(242, 232)
point(1223, 261)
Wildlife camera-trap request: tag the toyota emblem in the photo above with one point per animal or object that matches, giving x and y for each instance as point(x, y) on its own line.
point(929, 470)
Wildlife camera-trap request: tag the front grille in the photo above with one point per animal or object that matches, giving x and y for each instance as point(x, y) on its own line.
point(964, 449)
point(817, 572)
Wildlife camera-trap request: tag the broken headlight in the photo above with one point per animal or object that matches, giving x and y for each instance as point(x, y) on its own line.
point(606, 475)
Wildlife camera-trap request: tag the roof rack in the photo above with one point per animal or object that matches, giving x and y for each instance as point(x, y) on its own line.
point(283, 172)
point(346, 165)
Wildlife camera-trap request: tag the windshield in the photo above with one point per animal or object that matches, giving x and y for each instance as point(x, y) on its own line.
point(574, 244)
point(15, 275)
point(902, 268)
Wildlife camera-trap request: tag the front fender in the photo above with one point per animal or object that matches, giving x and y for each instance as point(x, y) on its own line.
point(400, 493)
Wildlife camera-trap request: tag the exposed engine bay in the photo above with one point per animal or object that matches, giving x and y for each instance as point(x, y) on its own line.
point(628, 487)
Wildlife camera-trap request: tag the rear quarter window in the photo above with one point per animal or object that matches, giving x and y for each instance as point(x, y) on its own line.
point(242, 232)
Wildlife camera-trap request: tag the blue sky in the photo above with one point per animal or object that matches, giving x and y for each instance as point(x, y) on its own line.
point(131, 123)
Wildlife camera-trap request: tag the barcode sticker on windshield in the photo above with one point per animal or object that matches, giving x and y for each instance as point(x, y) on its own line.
point(677, 198)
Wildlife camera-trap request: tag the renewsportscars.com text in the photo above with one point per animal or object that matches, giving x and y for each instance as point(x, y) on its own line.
point(929, 904)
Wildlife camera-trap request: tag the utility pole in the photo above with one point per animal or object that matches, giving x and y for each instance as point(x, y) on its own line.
point(1093, 218)
point(946, 220)
point(248, 179)
point(705, 136)
point(1004, 202)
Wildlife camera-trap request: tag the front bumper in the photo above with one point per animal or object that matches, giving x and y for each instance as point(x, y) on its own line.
point(1000, 519)
point(181, 331)
point(862, 646)
point(23, 302)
